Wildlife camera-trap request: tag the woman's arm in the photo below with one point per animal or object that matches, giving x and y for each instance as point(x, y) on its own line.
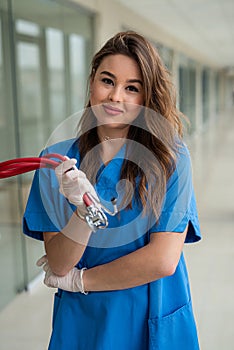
point(64, 249)
point(157, 259)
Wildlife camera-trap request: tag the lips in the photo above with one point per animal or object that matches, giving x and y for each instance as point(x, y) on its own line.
point(112, 110)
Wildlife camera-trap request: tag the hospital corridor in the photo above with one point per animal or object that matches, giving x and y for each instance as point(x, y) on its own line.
point(26, 322)
point(46, 49)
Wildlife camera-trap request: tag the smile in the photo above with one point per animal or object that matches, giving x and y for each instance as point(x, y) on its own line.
point(112, 110)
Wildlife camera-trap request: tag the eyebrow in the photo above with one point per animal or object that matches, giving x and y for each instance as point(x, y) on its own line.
point(128, 81)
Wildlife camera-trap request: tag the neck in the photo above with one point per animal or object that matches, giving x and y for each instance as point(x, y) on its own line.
point(108, 134)
point(111, 143)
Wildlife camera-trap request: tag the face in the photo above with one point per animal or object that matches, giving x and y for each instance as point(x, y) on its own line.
point(116, 92)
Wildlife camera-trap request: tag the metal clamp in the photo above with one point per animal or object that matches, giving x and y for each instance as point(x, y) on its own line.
point(95, 217)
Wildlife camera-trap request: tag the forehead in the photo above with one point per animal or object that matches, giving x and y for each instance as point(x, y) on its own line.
point(120, 65)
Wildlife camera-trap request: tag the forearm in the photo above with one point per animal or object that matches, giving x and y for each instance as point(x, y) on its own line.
point(119, 274)
point(157, 259)
point(64, 249)
point(134, 269)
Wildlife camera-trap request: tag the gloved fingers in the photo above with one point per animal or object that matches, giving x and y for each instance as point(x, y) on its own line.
point(74, 184)
point(73, 175)
point(65, 166)
point(43, 260)
point(69, 187)
point(84, 186)
point(94, 194)
point(70, 282)
point(77, 200)
point(46, 267)
point(51, 280)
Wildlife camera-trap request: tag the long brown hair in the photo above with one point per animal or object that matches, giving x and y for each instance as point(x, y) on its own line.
point(156, 129)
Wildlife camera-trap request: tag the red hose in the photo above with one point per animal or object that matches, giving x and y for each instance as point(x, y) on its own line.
point(18, 166)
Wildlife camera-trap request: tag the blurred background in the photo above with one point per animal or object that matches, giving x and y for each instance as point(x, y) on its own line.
point(45, 51)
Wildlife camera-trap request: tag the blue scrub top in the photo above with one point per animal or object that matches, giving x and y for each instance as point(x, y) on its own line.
point(157, 315)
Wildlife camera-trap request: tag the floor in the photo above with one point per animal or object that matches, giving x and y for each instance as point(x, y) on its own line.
point(25, 322)
point(211, 261)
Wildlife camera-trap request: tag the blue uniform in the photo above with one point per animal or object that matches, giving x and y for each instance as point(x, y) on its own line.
point(157, 315)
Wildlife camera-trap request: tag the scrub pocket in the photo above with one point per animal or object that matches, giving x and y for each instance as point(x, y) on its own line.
point(176, 331)
point(57, 299)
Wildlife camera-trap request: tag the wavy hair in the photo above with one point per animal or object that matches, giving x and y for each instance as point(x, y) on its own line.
point(158, 128)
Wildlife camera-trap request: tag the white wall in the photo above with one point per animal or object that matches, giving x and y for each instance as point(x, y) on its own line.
point(112, 17)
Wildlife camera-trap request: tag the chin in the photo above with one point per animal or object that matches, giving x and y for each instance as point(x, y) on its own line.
point(113, 125)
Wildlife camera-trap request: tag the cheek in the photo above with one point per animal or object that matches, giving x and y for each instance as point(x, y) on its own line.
point(93, 92)
point(132, 112)
point(138, 99)
point(97, 95)
point(97, 111)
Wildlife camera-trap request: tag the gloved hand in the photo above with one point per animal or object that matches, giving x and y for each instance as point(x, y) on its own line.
point(71, 282)
point(73, 183)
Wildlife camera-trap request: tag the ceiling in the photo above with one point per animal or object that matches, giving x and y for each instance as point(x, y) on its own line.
point(206, 26)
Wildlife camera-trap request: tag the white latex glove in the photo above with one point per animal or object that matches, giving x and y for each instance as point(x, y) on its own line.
point(71, 282)
point(73, 183)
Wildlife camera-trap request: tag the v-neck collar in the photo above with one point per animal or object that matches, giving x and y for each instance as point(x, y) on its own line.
point(109, 174)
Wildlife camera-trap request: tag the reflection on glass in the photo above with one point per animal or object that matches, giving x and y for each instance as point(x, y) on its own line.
point(0, 43)
point(26, 27)
point(166, 54)
point(77, 67)
point(187, 93)
point(30, 98)
point(56, 75)
point(28, 62)
point(2, 100)
point(48, 70)
point(205, 95)
point(11, 267)
point(192, 98)
point(217, 98)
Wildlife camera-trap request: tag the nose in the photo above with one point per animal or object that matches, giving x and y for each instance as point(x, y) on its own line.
point(116, 94)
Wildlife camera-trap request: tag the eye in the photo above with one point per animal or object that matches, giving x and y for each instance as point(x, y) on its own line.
point(132, 88)
point(107, 81)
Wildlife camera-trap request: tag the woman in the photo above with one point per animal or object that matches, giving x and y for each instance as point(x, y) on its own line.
point(126, 286)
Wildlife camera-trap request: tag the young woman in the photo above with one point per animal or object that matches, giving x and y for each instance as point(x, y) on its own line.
point(126, 286)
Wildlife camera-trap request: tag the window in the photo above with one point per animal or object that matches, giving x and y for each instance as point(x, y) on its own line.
point(44, 61)
point(205, 95)
point(187, 90)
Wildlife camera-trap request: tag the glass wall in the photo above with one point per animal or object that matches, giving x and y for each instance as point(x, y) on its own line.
point(12, 266)
point(205, 94)
point(166, 54)
point(217, 93)
point(187, 90)
point(45, 50)
point(186, 82)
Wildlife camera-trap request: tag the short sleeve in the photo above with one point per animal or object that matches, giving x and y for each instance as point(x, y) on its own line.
point(46, 210)
point(179, 206)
